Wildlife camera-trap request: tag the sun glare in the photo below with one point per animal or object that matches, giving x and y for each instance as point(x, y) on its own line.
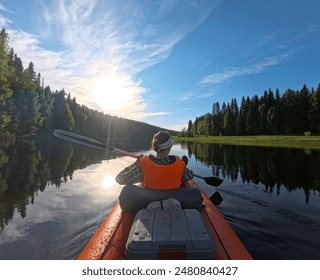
point(112, 93)
point(108, 182)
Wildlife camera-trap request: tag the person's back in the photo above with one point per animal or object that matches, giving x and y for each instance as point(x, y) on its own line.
point(162, 171)
point(162, 177)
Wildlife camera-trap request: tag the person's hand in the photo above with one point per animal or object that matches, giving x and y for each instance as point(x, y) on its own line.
point(139, 157)
point(191, 175)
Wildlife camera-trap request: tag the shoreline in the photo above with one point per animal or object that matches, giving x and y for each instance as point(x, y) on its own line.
point(281, 141)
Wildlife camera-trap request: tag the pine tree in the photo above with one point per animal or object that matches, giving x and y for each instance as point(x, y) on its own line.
point(5, 91)
point(189, 130)
point(62, 115)
point(244, 109)
point(314, 114)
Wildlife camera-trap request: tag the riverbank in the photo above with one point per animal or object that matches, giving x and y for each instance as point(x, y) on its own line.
point(304, 142)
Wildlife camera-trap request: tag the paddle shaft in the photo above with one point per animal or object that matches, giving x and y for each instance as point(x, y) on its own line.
point(86, 141)
point(198, 176)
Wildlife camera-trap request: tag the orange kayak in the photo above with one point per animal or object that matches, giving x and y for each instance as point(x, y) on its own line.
point(110, 240)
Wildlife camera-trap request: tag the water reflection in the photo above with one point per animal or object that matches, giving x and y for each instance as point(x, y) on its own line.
point(273, 167)
point(29, 168)
point(271, 196)
point(54, 195)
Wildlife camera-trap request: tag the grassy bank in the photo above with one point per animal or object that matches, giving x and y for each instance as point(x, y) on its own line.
point(305, 142)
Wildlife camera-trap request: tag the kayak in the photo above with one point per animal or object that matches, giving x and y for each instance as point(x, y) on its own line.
point(119, 231)
point(146, 224)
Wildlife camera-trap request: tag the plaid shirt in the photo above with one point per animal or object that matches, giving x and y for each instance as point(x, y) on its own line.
point(133, 173)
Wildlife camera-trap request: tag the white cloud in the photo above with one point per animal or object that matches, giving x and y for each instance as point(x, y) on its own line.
point(49, 63)
point(207, 84)
point(4, 22)
point(106, 41)
point(226, 75)
point(3, 8)
point(194, 95)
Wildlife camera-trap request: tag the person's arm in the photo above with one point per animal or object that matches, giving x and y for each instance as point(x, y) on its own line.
point(187, 175)
point(130, 175)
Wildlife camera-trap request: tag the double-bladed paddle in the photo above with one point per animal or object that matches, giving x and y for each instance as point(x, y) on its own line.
point(212, 181)
point(86, 141)
point(216, 198)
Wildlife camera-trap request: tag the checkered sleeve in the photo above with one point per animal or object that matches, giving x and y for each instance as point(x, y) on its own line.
point(131, 174)
point(187, 175)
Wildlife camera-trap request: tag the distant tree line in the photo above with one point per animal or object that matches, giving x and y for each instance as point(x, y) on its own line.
point(294, 112)
point(27, 107)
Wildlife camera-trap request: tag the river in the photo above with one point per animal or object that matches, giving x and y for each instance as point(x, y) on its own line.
point(53, 197)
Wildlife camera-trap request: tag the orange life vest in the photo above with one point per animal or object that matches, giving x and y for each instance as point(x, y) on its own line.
point(163, 177)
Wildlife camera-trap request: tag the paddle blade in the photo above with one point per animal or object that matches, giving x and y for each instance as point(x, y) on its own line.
point(213, 181)
point(76, 138)
point(216, 198)
point(185, 159)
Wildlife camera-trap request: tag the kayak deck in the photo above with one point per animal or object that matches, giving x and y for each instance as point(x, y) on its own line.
point(109, 242)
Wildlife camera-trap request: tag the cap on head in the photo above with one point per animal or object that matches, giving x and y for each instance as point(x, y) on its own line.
point(161, 141)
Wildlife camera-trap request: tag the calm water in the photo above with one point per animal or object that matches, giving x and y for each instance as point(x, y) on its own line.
point(54, 196)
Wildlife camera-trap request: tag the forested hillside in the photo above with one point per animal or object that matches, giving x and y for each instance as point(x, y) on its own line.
point(295, 112)
point(27, 107)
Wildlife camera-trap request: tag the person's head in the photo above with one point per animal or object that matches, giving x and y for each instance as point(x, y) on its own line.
point(162, 141)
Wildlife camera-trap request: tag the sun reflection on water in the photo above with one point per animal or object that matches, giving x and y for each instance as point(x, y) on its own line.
point(108, 182)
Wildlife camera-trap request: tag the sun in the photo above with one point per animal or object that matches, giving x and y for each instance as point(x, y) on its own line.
point(108, 182)
point(112, 93)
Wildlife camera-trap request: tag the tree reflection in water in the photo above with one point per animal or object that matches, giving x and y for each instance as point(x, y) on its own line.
point(270, 228)
point(273, 167)
point(29, 168)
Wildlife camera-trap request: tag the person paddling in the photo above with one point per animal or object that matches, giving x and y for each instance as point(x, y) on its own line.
point(162, 171)
point(162, 177)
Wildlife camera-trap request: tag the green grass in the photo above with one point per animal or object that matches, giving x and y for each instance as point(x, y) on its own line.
point(305, 142)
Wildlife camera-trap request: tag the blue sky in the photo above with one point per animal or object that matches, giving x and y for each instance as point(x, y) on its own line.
point(166, 62)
